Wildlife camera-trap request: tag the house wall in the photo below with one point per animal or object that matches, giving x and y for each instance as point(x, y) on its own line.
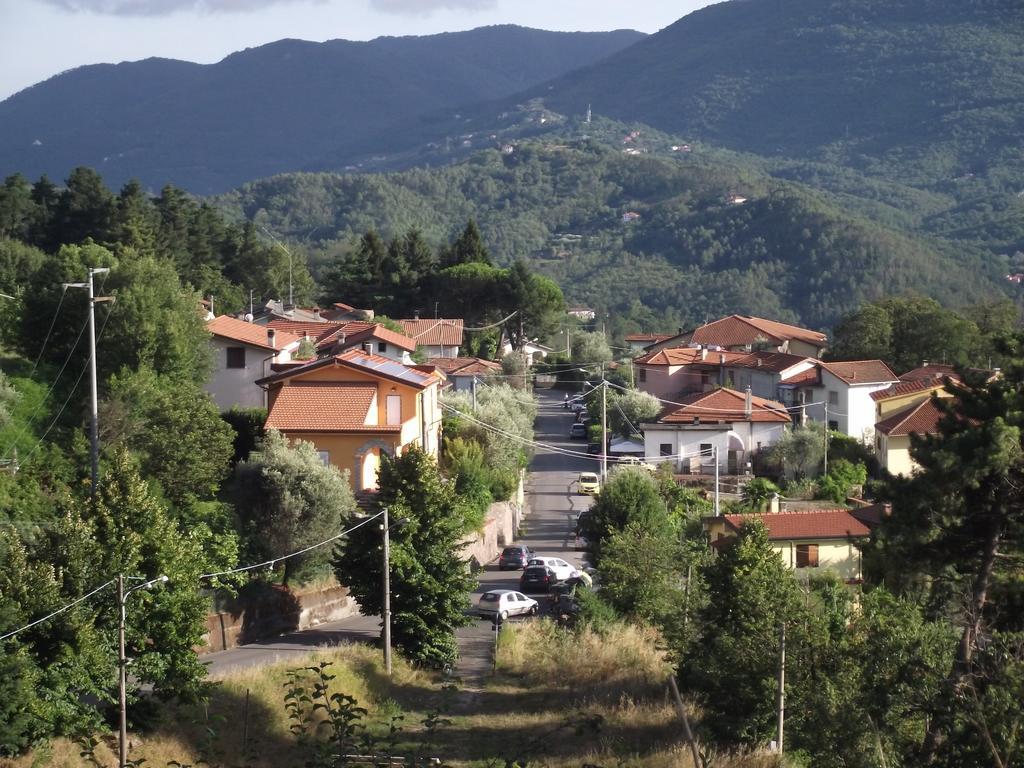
point(686, 442)
point(891, 405)
point(796, 347)
point(669, 382)
point(893, 453)
point(762, 383)
point(436, 350)
point(837, 555)
point(855, 411)
point(237, 386)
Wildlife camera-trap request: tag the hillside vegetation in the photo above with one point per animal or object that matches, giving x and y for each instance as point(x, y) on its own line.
point(786, 252)
point(286, 106)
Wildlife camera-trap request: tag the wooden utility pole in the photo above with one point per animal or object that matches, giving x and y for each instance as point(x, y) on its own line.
point(781, 697)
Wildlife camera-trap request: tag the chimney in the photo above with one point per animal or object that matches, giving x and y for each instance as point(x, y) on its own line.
point(760, 362)
point(924, 363)
point(721, 358)
point(415, 314)
point(367, 347)
point(773, 503)
point(748, 407)
point(272, 338)
point(703, 353)
point(316, 313)
point(887, 509)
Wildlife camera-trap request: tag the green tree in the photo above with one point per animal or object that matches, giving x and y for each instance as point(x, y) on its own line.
point(641, 575)
point(628, 410)
point(758, 492)
point(733, 662)
point(842, 478)
point(864, 334)
point(537, 302)
point(467, 248)
point(799, 453)
point(288, 499)
point(590, 348)
point(430, 584)
point(630, 495)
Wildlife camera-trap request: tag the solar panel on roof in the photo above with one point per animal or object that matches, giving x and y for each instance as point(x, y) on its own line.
point(390, 368)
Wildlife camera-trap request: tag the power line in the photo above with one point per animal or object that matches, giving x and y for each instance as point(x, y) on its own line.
point(58, 611)
point(276, 560)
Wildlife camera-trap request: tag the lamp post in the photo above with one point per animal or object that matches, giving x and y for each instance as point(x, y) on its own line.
point(122, 658)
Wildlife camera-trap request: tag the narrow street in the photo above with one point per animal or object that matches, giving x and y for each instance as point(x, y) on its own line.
point(553, 505)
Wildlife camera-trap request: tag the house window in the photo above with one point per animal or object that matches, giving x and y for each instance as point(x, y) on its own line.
point(236, 357)
point(394, 407)
point(833, 397)
point(833, 426)
point(665, 449)
point(325, 457)
point(707, 450)
point(806, 555)
point(643, 374)
point(382, 346)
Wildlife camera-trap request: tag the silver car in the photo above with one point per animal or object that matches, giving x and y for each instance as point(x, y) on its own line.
point(507, 602)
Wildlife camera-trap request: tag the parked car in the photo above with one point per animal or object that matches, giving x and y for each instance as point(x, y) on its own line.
point(577, 405)
point(636, 461)
point(560, 567)
point(507, 602)
point(537, 578)
point(578, 431)
point(588, 483)
point(514, 558)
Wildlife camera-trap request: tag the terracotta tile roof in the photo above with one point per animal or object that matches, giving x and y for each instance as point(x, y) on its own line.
point(931, 371)
point(357, 359)
point(736, 330)
point(650, 338)
point(809, 524)
point(464, 366)
point(776, 362)
point(920, 419)
point(327, 338)
point(247, 333)
point(434, 333)
point(810, 376)
point(312, 328)
point(861, 371)
point(688, 356)
point(723, 406)
point(906, 388)
point(325, 407)
point(374, 331)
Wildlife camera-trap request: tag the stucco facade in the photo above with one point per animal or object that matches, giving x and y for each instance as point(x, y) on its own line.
point(238, 362)
point(688, 445)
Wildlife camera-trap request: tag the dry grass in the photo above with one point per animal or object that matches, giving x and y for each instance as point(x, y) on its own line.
point(559, 699)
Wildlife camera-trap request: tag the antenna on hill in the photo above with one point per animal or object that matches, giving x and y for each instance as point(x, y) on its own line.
point(588, 114)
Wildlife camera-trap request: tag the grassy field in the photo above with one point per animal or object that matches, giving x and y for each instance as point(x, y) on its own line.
point(557, 699)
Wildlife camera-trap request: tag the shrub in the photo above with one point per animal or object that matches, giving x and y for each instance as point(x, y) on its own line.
point(758, 492)
point(843, 476)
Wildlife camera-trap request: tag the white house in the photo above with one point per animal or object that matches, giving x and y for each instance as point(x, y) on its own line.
point(766, 372)
point(463, 372)
point(843, 397)
point(732, 425)
point(533, 350)
point(243, 353)
point(439, 337)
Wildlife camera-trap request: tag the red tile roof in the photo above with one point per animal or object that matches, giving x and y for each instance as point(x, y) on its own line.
point(737, 330)
point(920, 419)
point(434, 333)
point(464, 366)
point(906, 388)
point(374, 331)
point(247, 333)
point(648, 337)
point(861, 371)
point(723, 406)
point(688, 356)
point(809, 524)
point(357, 359)
point(312, 328)
point(931, 371)
point(776, 362)
point(325, 407)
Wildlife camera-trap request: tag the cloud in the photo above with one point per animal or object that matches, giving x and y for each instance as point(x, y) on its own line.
point(161, 7)
point(427, 7)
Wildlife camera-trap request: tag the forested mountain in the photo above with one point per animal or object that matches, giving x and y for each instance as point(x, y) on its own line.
point(287, 106)
point(786, 252)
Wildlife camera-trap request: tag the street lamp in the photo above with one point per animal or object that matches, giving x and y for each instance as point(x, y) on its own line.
point(122, 659)
point(386, 529)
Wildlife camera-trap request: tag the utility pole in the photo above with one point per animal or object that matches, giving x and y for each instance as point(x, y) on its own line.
point(387, 595)
point(94, 439)
point(824, 437)
point(718, 507)
point(604, 429)
point(122, 682)
point(474, 394)
point(781, 697)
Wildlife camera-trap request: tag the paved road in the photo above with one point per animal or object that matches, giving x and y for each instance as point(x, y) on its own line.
point(553, 508)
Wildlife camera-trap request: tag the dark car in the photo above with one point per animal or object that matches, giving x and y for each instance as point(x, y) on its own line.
point(537, 578)
point(514, 558)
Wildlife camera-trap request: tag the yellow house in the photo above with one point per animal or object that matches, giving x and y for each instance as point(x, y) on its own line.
point(807, 540)
point(354, 407)
point(900, 410)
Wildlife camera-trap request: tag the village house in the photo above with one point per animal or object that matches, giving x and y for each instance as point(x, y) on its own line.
point(745, 333)
point(243, 353)
point(439, 337)
point(638, 342)
point(672, 373)
point(533, 350)
point(463, 373)
point(586, 314)
point(354, 407)
point(735, 426)
point(901, 410)
point(808, 541)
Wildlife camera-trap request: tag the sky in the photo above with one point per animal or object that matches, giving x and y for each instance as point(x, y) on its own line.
point(41, 38)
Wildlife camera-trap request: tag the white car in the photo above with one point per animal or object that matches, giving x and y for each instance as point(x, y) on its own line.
point(562, 569)
point(507, 602)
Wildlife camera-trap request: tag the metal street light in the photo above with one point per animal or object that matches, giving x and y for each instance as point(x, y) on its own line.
point(122, 659)
point(386, 529)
